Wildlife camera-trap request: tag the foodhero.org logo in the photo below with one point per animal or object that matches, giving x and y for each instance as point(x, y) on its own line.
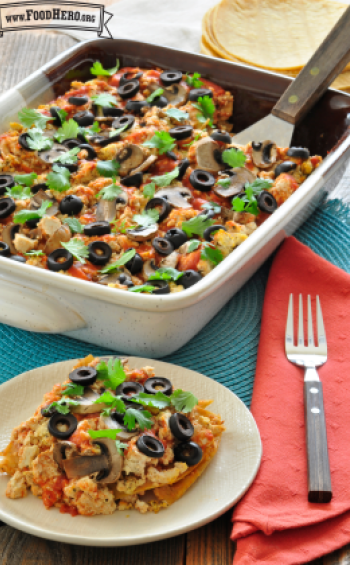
point(55, 15)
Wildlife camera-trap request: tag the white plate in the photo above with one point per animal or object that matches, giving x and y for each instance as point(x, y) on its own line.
point(224, 482)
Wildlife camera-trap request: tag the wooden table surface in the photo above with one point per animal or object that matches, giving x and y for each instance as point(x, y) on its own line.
point(20, 54)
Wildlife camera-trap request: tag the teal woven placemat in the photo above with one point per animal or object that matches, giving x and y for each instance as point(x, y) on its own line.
point(226, 348)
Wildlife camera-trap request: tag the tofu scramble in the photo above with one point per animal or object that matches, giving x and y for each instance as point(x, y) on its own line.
point(132, 180)
point(111, 438)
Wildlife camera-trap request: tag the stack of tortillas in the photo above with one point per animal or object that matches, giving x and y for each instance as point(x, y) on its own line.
point(279, 36)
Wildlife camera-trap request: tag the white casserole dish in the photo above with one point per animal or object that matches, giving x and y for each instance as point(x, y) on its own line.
point(154, 326)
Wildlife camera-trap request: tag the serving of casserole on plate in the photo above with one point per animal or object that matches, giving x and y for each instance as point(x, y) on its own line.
point(76, 464)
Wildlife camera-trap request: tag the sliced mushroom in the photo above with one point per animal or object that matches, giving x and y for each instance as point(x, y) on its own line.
point(141, 233)
point(54, 242)
point(114, 278)
point(208, 155)
point(238, 176)
point(87, 403)
point(64, 450)
point(264, 153)
point(115, 460)
point(130, 157)
point(86, 465)
point(177, 196)
point(111, 424)
point(106, 210)
point(121, 200)
point(171, 260)
point(149, 268)
point(40, 197)
point(175, 94)
point(8, 235)
point(50, 155)
point(145, 165)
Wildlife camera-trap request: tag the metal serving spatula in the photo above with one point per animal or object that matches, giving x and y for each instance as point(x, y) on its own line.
point(323, 67)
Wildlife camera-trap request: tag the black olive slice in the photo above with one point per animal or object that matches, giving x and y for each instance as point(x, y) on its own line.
point(136, 105)
point(99, 252)
point(162, 246)
point(6, 181)
point(71, 143)
point(97, 228)
point(32, 223)
point(57, 420)
point(189, 278)
point(150, 446)
point(159, 101)
point(41, 186)
point(162, 287)
point(165, 207)
point(104, 141)
point(56, 117)
point(4, 249)
point(181, 427)
point(135, 264)
point(7, 207)
point(299, 152)
point(71, 205)
point(176, 237)
point(158, 384)
point(181, 132)
point(171, 77)
point(171, 155)
point(223, 136)
point(78, 100)
point(84, 376)
point(84, 118)
point(202, 180)
point(129, 76)
point(208, 231)
point(91, 153)
point(112, 112)
point(126, 121)
point(266, 202)
point(129, 89)
point(133, 180)
point(128, 389)
point(125, 280)
point(285, 167)
point(18, 258)
point(196, 93)
point(189, 452)
point(183, 166)
point(207, 213)
point(59, 260)
point(23, 141)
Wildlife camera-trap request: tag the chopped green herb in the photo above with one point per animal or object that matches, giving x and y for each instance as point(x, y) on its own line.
point(105, 99)
point(259, 184)
point(142, 417)
point(95, 128)
point(37, 141)
point(165, 274)
point(198, 136)
point(121, 446)
point(167, 178)
point(155, 94)
point(69, 157)
point(127, 256)
point(74, 225)
point(162, 141)
point(19, 192)
point(73, 389)
point(111, 434)
point(34, 253)
point(77, 248)
point(194, 80)
point(112, 401)
point(158, 400)
point(25, 180)
point(108, 168)
point(206, 107)
point(98, 70)
point(193, 245)
point(177, 114)
point(112, 373)
point(61, 406)
point(147, 218)
point(214, 256)
point(24, 215)
point(224, 183)
point(114, 132)
point(110, 192)
point(196, 225)
point(233, 157)
point(69, 130)
point(29, 118)
point(62, 114)
point(58, 179)
point(183, 401)
point(246, 203)
point(212, 206)
point(149, 190)
point(142, 288)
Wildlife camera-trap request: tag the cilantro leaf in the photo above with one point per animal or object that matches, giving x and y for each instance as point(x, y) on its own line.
point(112, 373)
point(105, 99)
point(166, 274)
point(206, 107)
point(147, 218)
point(214, 256)
point(74, 225)
point(183, 401)
point(98, 70)
point(142, 288)
point(121, 261)
point(58, 179)
point(73, 389)
point(108, 168)
point(212, 206)
point(117, 131)
point(69, 130)
point(194, 80)
point(167, 178)
point(112, 401)
point(121, 446)
point(29, 118)
point(158, 400)
point(77, 248)
point(142, 417)
point(233, 157)
point(198, 136)
point(111, 434)
point(19, 192)
point(25, 180)
point(248, 202)
point(149, 190)
point(177, 114)
point(34, 253)
point(224, 183)
point(62, 114)
point(238, 205)
point(110, 192)
point(95, 128)
point(162, 141)
point(68, 157)
point(24, 215)
point(37, 141)
point(259, 184)
point(61, 406)
point(193, 245)
point(155, 94)
point(196, 225)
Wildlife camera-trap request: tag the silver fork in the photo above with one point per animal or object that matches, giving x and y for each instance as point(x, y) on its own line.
point(311, 356)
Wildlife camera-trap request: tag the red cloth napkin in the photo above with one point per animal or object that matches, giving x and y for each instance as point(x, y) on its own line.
point(274, 523)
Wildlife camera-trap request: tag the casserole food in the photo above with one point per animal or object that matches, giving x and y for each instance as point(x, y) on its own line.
point(111, 438)
point(60, 310)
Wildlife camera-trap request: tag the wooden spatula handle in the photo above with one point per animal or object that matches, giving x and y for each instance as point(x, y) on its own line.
point(323, 67)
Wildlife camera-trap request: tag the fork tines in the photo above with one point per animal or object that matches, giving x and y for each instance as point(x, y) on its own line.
point(321, 336)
